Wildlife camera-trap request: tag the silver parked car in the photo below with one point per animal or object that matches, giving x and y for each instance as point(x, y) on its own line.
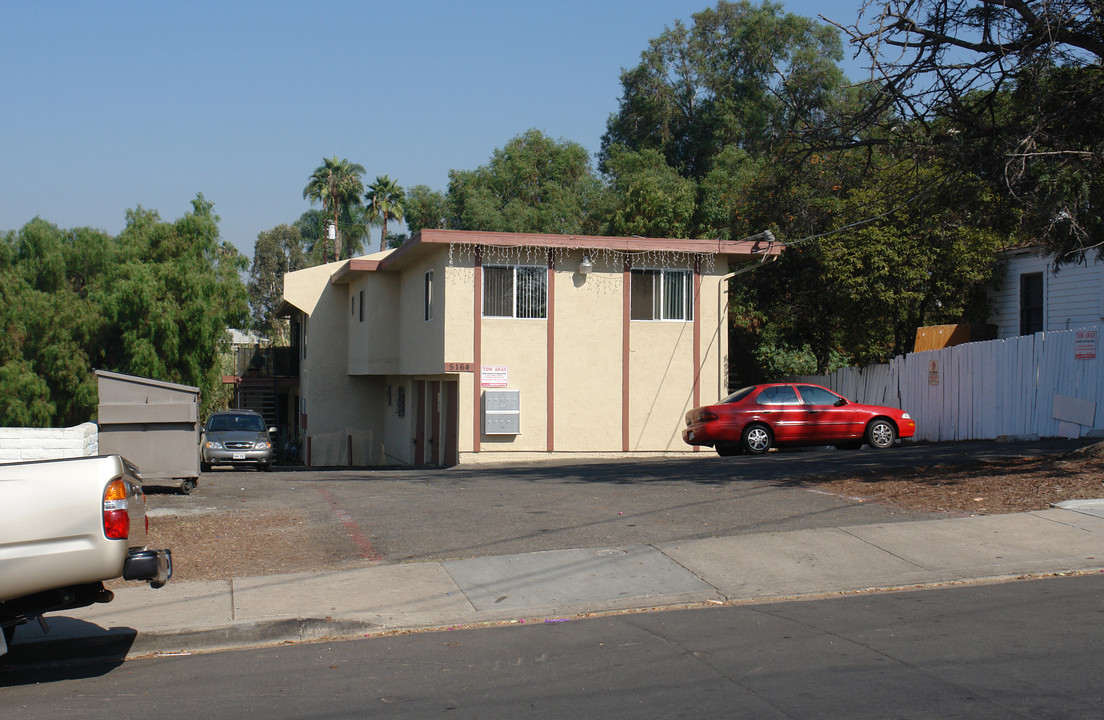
point(236, 437)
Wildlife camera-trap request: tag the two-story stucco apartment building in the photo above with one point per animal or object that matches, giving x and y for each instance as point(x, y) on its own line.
point(463, 345)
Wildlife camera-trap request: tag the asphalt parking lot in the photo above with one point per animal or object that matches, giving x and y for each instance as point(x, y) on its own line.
point(395, 515)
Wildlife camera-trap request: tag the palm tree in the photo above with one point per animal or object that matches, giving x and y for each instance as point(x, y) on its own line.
point(336, 184)
point(385, 202)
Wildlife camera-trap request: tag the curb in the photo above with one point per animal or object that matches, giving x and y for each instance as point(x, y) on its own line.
point(127, 644)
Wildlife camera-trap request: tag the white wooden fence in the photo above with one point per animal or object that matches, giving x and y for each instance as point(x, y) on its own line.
point(1044, 385)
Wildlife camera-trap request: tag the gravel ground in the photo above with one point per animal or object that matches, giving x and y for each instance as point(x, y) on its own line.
point(268, 540)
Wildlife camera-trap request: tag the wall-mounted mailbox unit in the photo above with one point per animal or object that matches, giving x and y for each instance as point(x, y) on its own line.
point(501, 412)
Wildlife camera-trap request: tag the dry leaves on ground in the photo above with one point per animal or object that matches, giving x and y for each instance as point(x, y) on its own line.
point(980, 488)
point(236, 543)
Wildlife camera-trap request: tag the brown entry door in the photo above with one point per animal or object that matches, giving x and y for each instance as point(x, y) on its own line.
point(436, 423)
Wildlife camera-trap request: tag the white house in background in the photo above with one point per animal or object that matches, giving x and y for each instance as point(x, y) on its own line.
point(1032, 298)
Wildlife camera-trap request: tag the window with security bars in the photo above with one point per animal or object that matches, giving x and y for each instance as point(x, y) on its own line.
point(661, 295)
point(517, 292)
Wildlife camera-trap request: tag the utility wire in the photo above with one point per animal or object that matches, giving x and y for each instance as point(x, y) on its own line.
point(869, 220)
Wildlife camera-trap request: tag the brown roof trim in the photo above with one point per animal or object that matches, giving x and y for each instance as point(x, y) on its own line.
point(589, 242)
point(426, 237)
point(354, 265)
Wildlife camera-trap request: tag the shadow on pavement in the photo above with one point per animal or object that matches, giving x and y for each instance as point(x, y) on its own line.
point(73, 649)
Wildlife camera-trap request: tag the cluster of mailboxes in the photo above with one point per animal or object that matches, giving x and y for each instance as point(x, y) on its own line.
point(501, 412)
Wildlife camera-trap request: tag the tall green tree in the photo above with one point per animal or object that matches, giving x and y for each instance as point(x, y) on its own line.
point(337, 185)
point(425, 208)
point(533, 184)
point(276, 252)
point(312, 230)
point(1010, 90)
point(178, 290)
point(871, 265)
point(727, 196)
point(647, 197)
point(742, 75)
point(154, 301)
point(385, 201)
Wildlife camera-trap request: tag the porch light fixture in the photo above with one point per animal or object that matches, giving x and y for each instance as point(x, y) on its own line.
point(586, 265)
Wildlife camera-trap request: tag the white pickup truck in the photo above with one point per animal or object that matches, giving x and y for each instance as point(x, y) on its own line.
point(67, 526)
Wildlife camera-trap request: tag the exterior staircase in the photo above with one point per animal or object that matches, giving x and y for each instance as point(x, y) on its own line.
point(259, 395)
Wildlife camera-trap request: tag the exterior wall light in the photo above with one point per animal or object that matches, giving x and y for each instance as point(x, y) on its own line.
point(586, 265)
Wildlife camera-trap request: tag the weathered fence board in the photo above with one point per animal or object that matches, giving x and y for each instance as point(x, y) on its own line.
point(983, 390)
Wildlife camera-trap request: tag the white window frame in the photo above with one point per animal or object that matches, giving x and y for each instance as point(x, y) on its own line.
point(659, 310)
point(516, 303)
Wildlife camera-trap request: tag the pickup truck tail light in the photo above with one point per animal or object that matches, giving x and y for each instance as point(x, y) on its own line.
point(116, 519)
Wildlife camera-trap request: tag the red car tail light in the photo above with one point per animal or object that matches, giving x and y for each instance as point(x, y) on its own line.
point(706, 416)
point(116, 519)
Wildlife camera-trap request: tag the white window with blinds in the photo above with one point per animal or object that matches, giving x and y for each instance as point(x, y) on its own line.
point(661, 295)
point(516, 292)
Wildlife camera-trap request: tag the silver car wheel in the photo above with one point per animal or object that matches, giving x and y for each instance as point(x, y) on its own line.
point(881, 434)
point(757, 439)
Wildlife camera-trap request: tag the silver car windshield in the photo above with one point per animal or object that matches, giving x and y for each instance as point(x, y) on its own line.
point(252, 423)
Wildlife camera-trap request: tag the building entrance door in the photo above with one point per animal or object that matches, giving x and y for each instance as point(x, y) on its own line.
point(436, 423)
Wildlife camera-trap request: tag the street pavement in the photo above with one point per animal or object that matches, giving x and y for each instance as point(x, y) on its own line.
point(558, 585)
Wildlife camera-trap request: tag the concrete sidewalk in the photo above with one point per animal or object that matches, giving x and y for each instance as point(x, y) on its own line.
point(559, 585)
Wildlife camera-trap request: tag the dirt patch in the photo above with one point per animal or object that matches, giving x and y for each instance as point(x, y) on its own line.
point(236, 543)
point(979, 488)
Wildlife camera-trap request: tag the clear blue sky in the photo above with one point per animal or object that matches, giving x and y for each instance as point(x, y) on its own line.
point(112, 105)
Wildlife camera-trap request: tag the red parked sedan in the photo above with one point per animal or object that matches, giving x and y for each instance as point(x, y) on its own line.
point(757, 418)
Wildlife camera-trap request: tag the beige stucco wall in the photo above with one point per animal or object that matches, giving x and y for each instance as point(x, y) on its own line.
point(421, 341)
point(398, 430)
point(521, 346)
point(587, 383)
point(374, 341)
point(588, 356)
point(458, 337)
point(334, 401)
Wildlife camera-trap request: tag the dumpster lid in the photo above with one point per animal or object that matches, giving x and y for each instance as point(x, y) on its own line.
point(143, 381)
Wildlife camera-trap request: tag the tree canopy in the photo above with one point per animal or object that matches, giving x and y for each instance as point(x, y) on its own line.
point(533, 184)
point(425, 208)
point(1012, 90)
point(385, 201)
point(276, 252)
point(337, 185)
point(155, 301)
point(741, 75)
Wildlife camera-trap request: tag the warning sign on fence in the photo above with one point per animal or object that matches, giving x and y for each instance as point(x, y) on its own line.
point(1084, 344)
